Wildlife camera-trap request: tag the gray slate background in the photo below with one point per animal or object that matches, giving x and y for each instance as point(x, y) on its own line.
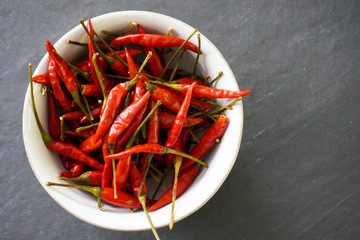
point(297, 173)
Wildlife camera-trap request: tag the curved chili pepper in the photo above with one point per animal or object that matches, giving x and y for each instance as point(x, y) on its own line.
point(108, 170)
point(54, 122)
point(124, 119)
point(201, 91)
point(167, 99)
point(180, 118)
point(153, 40)
point(42, 79)
point(184, 181)
point(154, 62)
point(151, 148)
point(207, 141)
point(185, 135)
point(90, 90)
point(135, 178)
point(89, 177)
point(62, 148)
point(124, 199)
point(167, 120)
point(58, 91)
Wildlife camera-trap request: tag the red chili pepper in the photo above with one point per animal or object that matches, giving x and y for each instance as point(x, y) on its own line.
point(58, 91)
point(135, 177)
point(154, 62)
point(180, 96)
point(151, 148)
point(95, 113)
point(90, 90)
point(130, 130)
point(201, 91)
point(54, 122)
point(124, 199)
point(66, 75)
point(122, 172)
point(180, 118)
point(62, 69)
point(62, 148)
point(89, 177)
point(42, 79)
point(184, 181)
point(166, 97)
point(153, 40)
point(187, 81)
point(75, 171)
point(108, 170)
point(167, 120)
point(185, 135)
point(131, 64)
point(74, 115)
point(207, 141)
point(124, 119)
point(153, 125)
point(84, 65)
point(83, 134)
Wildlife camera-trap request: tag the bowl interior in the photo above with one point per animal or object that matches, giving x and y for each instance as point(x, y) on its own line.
point(47, 166)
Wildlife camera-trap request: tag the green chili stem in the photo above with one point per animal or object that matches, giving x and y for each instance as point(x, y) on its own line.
point(45, 136)
point(177, 165)
point(148, 161)
point(62, 135)
point(110, 49)
point(142, 200)
point(177, 65)
point(193, 75)
point(177, 51)
point(148, 56)
point(216, 78)
point(112, 34)
point(112, 148)
point(79, 129)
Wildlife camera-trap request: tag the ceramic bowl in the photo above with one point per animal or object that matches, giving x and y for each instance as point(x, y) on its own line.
point(46, 165)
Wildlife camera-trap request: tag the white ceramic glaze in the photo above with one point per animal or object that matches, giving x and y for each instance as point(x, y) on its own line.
point(46, 165)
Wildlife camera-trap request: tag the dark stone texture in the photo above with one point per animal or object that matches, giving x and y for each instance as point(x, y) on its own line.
point(297, 172)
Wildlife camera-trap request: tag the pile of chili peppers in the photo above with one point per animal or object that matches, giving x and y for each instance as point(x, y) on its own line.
point(122, 116)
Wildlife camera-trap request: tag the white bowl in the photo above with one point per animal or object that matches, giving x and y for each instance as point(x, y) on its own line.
point(46, 164)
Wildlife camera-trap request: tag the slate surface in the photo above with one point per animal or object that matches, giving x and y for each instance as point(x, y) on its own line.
point(297, 173)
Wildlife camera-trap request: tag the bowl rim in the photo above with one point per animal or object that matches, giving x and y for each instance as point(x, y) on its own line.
point(28, 143)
